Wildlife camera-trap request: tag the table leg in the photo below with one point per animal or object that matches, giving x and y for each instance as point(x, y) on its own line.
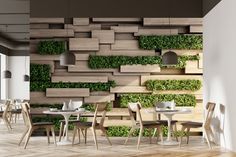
point(66, 140)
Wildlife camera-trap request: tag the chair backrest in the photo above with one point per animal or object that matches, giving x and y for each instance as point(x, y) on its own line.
point(135, 108)
point(7, 107)
point(26, 115)
point(100, 107)
point(210, 110)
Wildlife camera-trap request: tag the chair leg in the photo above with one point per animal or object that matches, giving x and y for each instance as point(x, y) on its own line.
point(85, 136)
point(188, 131)
point(150, 135)
point(60, 132)
point(130, 132)
point(176, 131)
point(23, 136)
point(95, 137)
point(181, 136)
point(154, 133)
point(105, 133)
point(74, 133)
point(53, 135)
point(139, 138)
point(78, 133)
point(28, 136)
point(160, 133)
point(48, 131)
point(207, 138)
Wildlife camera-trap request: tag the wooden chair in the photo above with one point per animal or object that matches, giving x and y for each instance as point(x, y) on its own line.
point(94, 125)
point(33, 126)
point(6, 114)
point(206, 125)
point(135, 108)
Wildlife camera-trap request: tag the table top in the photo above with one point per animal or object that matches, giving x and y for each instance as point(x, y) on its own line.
point(64, 112)
point(171, 111)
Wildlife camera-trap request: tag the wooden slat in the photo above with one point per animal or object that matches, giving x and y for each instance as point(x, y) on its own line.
point(83, 44)
point(87, 28)
point(116, 73)
point(184, 52)
point(200, 62)
point(126, 80)
point(86, 79)
point(124, 36)
point(50, 33)
point(192, 68)
point(37, 57)
point(173, 21)
point(117, 19)
point(64, 72)
point(82, 57)
point(129, 89)
point(97, 99)
point(104, 36)
point(46, 20)
point(196, 29)
point(125, 45)
point(39, 26)
point(51, 63)
point(81, 21)
point(67, 92)
point(125, 29)
point(169, 77)
point(82, 66)
point(156, 32)
point(40, 98)
point(140, 68)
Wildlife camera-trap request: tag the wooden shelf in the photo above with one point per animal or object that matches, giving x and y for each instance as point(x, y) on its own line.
point(84, 29)
point(46, 20)
point(140, 68)
point(126, 80)
point(51, 33)
point(104, 36)
point(80, 21)
point(83, 44)
point(125, 45)
point(117, 19)
point(37, 57)
point(173, 21)
point(67, 92)
point(196, 29)
point(129, 89)
point(125, 29)
point(156, 32)
point(97, 99)
point(192, 68)
point(85, 79)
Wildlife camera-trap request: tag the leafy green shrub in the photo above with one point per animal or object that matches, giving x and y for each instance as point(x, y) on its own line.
point(51, 47)
point(41, 86)
point(149, 100)
point(58, 106)
point(91, 107)
point(192, 85)
point(171, 42)
point(39, 72)
point(100, 62)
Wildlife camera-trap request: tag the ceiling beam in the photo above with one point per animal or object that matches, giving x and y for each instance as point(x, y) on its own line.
point(14, 6)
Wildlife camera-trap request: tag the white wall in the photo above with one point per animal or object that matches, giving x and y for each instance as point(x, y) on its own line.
point(220, 68)
point(4, 82)
point(17, 87)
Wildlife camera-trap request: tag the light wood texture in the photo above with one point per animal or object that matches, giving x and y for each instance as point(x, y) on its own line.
point(140, 68)
point(39, 26)
point(125, 45)
point(169, 77)
point(129, 89)
point(97, 99)
point(82, 66)
point(37, 57)
point(87, 28)
point(67, 92)
point(126, 80)
point(200, 62)
point(173, 21)
point(50, 33)
point(117, 19)
point(46, 20)
point(192, 68)
point(196, 29)
point(125, 29)
point(104, 36)
point(89, 79)
point(84, 44)
point(156, 32)
point(82, 56)
point(81, 21)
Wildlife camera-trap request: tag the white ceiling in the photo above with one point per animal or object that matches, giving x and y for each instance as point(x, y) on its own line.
point(14, 19)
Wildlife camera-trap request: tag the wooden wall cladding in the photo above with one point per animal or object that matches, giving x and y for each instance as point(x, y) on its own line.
point(112, 36)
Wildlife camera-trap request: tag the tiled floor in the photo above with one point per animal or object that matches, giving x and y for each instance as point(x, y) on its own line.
point(38, 147)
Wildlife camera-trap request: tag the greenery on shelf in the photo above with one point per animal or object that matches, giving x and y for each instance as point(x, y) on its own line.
point(149, 100)
point(51, 47)
point(91, 107)
point(155, 85)
point(100, 62)
point(100, 86)
point(39, 72)
point(171, 42)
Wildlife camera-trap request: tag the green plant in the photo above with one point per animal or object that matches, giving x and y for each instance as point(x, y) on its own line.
point(100, 62)
point(51, 47)
point(149, 100)
point(58, 106)
point(91, 107)
point(41, 86)
point(192, 85)
point(39, 72)
point(171, 42)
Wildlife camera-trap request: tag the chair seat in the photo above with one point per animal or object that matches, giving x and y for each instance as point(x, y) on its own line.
point(17, 111)
point(42, 123)
point(192, 124)
point(165, 122)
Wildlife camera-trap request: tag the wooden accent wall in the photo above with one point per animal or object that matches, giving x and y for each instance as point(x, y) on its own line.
point(111, 36)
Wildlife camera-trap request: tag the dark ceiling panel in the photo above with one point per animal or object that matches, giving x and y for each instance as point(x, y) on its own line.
point(14, 6)
point(208, 5)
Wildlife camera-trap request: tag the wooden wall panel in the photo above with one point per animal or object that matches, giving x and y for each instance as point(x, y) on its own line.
point(82, 56)
point(81, 21)
point(196, 29)
point(156, 32)
point(126, 80)
point(200, 62)
point(173, 21)
point(129, 89)
point(46, 20)
point(125, 29)
point(97, 99)
point(37, 57)
point(125, 45)
point(83, 44)
point(104, 36)
point(87, 28)
point(192, 68)
point(140, 68)
point(51, 33)
point(88, 79)
point(117, 19)
point(67, 92)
